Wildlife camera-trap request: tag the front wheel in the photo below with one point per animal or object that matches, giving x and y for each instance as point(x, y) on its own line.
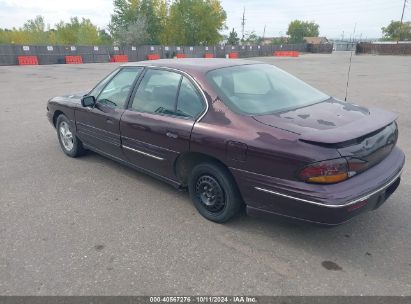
point(69, 143)
point(214, 192)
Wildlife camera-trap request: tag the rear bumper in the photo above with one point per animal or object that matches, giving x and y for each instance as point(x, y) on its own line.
point(323, 204)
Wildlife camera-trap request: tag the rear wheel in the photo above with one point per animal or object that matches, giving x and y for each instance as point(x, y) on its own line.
point(214, 192)
point(69, 143)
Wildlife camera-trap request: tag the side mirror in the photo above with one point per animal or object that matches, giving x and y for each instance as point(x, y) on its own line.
point(88, 101)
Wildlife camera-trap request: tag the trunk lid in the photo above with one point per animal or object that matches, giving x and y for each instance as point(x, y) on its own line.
point(365, 136)
point(330, 122)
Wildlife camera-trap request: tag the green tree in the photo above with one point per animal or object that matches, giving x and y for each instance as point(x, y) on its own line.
point(35, 25)
point(252, 38)
point(396, 31)
point(135, 33)
point(125, 13)
point(104, 37)
point(87, 33)
point(76, 32)
point(128, 14)
point(154, 13)
point(233, 38)
point(5, 36)
point(298, 29)
point(34, 31)
point(194, 22)
point(279, 40)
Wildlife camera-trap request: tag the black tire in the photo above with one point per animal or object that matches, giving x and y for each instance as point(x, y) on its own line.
point(73, 147)
point(214, 192)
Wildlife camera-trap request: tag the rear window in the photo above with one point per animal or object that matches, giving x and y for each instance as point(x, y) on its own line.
point(258, 89)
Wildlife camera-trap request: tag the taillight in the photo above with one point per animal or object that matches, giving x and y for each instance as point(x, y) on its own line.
point(356, 165)
point(325, 172)
point(333, 170)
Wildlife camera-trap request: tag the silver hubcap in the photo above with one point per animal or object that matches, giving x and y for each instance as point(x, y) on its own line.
point(66, 136)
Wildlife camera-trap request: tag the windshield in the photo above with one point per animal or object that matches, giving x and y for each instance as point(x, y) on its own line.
point(258, 89)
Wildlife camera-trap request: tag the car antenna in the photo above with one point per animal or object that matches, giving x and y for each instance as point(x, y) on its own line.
point(349, 66)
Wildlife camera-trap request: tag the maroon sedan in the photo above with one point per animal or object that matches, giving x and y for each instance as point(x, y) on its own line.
point(237, 133)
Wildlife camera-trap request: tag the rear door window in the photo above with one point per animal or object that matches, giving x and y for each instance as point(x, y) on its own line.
point(157, 92)
point(190, 103)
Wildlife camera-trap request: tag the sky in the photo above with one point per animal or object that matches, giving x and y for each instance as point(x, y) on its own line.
point(336, 18)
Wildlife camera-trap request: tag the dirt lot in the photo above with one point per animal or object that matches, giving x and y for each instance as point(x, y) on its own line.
point(90, 226)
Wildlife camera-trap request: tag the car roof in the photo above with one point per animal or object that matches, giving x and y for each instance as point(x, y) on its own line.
point(194, 65)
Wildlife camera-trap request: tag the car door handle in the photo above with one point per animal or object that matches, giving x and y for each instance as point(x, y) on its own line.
point(171, 135)
point(109, 121)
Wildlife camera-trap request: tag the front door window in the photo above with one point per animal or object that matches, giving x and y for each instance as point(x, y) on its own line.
point(116, 92)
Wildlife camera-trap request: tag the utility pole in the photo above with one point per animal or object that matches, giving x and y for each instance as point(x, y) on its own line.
point(264, 31)
point(243, 25)
point(402, 16)
point(353, 33)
